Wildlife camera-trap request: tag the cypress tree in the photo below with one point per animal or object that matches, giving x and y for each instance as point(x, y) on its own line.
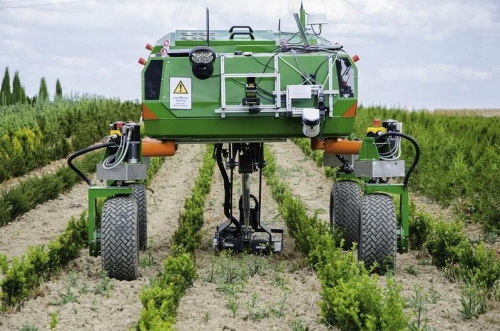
point(59, 92)
point(18, 94)
point(5, 95)
point(43, 94)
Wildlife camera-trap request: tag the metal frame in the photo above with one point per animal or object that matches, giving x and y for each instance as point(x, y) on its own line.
point(277, 107)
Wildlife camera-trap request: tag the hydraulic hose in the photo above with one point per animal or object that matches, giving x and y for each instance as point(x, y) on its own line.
point(81, 152)
point(417, 151)
point(227, 190)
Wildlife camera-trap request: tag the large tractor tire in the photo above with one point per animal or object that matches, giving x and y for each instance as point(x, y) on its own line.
point(140, 196)
point(377, 232)
point(120, 238)
point(345, 201)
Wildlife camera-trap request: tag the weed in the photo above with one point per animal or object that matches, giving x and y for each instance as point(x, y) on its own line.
point(411, 270)
point(258, 313)
point(433, 295)
point(94, 306)
point(233, 305)
point(72, 279)
point(297, 325)
point(473, 301)
point(229, 289)
point(279, 309)
point(206, 316)
point(104, 286)
point(210, 277)
point(83, 289)
point(54, 320)
point(28, 327)
point(254, 299)
point(65, 297)
point(278, 278)
point(417, 303)
point(148, 260)
point(255, 265)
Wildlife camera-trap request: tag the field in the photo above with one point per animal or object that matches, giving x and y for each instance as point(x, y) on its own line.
point(247, 292)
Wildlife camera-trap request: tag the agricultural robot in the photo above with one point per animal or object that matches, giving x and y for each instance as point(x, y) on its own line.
point(239, 89)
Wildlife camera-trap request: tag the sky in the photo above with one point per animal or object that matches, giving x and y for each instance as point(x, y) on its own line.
point(423, 54)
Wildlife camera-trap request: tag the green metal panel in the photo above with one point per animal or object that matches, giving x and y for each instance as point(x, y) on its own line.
point(202, 121)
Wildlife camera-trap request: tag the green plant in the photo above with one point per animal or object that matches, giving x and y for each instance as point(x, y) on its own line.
point(472, 297)
point(278, 278)
point(161, 298)
point(442, 238)
point(104, 286)
point(233, 305)
point(278, 308)
point(148, 260)
point(65, 297)
point(53, 320)
point(410, 269)
point(28, 327)
point(297, 325)
point(206, 316)
point(25, 274)
point(433, 295)
point(417, 304)
point(256, 265)
point(84, 289)
point(419, 225)
point(94, 306)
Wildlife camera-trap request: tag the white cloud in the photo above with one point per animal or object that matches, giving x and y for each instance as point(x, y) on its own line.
point(13, 44)
point(434, 73)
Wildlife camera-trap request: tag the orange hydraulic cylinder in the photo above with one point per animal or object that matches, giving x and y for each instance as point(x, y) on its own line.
point(336, 146)
point(153, 147)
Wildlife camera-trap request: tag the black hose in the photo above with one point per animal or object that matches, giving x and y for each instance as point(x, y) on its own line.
point(83, 151)
point(227, 190)
point(417, 151)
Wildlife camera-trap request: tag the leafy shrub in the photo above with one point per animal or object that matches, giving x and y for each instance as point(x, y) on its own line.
point(442, 240)
point(161, 299)
point(351, 298)
point(24, 274)
point(419, 225)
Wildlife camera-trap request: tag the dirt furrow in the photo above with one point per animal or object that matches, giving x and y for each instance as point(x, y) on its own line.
point(306, 180)
point(43, 223)
point(82, 298)
point(282, 295)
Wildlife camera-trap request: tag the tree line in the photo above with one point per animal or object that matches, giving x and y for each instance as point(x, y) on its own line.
point(17, 94)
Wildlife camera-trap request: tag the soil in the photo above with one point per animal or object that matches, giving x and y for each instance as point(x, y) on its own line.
point(84, 300)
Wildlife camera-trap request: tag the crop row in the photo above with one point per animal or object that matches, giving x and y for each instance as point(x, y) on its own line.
point(161, 298)
point(351, 298)
point(32, 137)
point(451, 250)
point(22, 275)
point(21, 198)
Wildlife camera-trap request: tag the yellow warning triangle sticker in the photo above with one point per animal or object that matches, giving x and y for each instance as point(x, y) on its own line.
point(180, 88)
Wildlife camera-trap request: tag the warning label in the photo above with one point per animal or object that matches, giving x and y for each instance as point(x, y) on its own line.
point(180, 88)
point(180, 93)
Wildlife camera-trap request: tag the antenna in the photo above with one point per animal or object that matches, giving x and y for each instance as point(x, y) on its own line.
point(301, 29)
point(208, 28)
